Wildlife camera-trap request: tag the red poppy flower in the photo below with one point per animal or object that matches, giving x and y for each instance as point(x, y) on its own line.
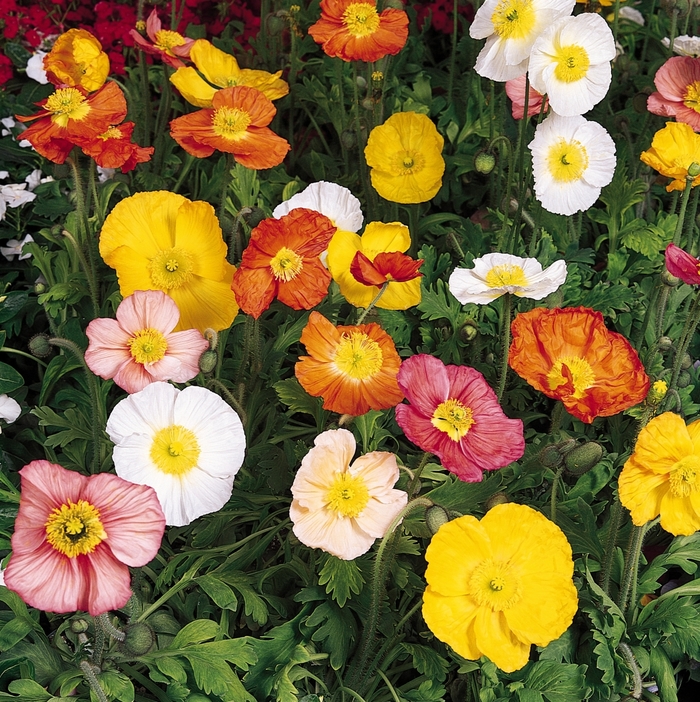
point(570, 355)
point(355, 31)
point(114, 148)
point(386, 267)
point(682, 265)
point(236, 124)
point(169, 46)
point(70, 114)
point(282, 261)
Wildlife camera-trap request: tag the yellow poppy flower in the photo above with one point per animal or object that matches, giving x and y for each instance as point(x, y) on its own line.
point(674, 149)
point(405, 155)
point(498, 585)
point(377, 238)
point(662, 476)
point(221, 70)
point(163, 241)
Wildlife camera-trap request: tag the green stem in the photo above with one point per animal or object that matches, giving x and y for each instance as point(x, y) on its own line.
point(181, 584)
point(616, 19)
point(389, 685)
point(218, 387)
point(453, 52)
point(661, 308)
point(674, 29)
point(225, 182)
point(681, 214)
point(690, 220)
point(25, 354)
point(89, 272)
point(555, 490)
point(373, 303)
point(505, 345)
point(557, 416)
point(103, 621)
point(92, 680)
point(627, 654)
point(417, 472)
point(629, 579)
point(611, 544)
point(145, 682)
point(691, 323)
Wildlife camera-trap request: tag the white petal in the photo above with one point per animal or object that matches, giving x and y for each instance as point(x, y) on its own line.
point(9, 409)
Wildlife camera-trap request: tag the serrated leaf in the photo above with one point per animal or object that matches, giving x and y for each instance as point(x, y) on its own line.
point(607, 298)
point(195, 632)
point(428, 691)
point(116, 685)
point(220, 593)
point(172, 668)
point(558, 682)
point(14, 631)
point(438, 303)
point(28, 690)
point(465, 497)
point(427, 661)
point(647, 240)
point(296, 398)
point(341, 578)
point(335, 630)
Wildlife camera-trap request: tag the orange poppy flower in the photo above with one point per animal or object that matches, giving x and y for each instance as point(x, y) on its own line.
point(570, 355)
point(352, 368)
point(386, 267)
point(77, 59)
point(282, 261)
point(70, 114)
point(355, 31)
point(236, 124)
point(114, 148)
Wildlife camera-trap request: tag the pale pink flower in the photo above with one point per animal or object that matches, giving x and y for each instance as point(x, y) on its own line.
point(515, 90)
point(341, 507)
point(170, 46)
point(139, 347)
point(76, 536)
point(678, 85)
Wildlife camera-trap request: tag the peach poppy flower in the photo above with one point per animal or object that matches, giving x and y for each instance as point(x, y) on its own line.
point(114, 148)
point(569, 355)
point(77, 59)
point(454, 414)
point(70, 114)
point(236, 124)
point(355, 31)
point(342, 506)
point(353, 368)
point(168, 45)
point(282, 261)
point(140, 347)
point(75, 538)
point(678, 91)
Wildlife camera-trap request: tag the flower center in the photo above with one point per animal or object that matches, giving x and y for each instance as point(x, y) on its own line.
point(286, 264)
point(452, 417)
point(691, 98)
point(572, 371)
point(507, 274)
point(171, 268)
point(513, 19)
point(361, 19)
point(348, 495)
point(166, 39)
point(409, 163)
point(75, 529)
point(230, 122)
point(572, 63)
point(111, 133)
point(175, 450)
point(66, 104)
point(493, 584)
point(358, 356)
point(147, 346)
point(567, 160)
point(685, 476)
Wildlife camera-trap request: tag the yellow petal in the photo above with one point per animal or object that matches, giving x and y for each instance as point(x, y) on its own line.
point(197, 230)
point(662, 443)
point(495, 640)
point(193, 87)
point(205, 303)
point(641, 491)
point(379, 237)
point(133, 272)
point(451, 620)
point(216, 66)
point(400, 296)
point(678, 515)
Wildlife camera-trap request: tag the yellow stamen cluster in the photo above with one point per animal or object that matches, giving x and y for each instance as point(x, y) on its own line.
point(171, 268)
point(286, 265)
point(454, 418)
point(685, 476)
point(74, 528)
point(358, 356)
point(348, 495)
point(513, 19)
point(361, 19)
point(572, 63)
point(493, 584)
point(175, 450)
point(147, 346)
point(505, 275)
point(230, 122)
point(582, 375)
point(167, 39)
point(567, 160)
point(66, 104)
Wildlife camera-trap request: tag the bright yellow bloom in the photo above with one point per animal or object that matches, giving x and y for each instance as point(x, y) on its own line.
point(405, 155)
point(163, 241)
point(377, 238)
point(674, 149)
point(77, 59)
point(498, 585)
point(221, 70)
point(662, 476)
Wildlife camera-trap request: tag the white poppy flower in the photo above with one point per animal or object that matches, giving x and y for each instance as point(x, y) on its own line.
point(497, 273)
point(572, 159)
point(35, 68)
point(631, 15)
point(570, 62)
point(186, 444)
point(684, 45)
point(14, 248)
point(9, 409)
point(510, 28)
point(330, 199)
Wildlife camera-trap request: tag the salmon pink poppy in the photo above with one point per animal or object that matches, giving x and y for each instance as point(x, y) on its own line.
point(454, 413)
point(678, 91)
point(282, 261)
point(76, 536)
point(168, 45)
point(570, 355)
point(236, 124)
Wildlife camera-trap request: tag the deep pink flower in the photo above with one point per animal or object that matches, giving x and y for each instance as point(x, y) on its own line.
point(682, 265)
point(515, 90)
point(170, 46)
point(139, 346)
point(455, 415)
point(76, 536)
point(678, 85)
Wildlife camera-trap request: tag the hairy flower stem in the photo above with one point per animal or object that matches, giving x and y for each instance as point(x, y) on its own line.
point(359, 672)
point(92, 680)
point(371, 305)
point(611, 544)
point(89, 272)
point(225, 182)
point(691, 323)
point(555, 490)
point(218, 387)
point(616, 19)
point(627, 654)
point(631, 567)
point(505, 345)
point(453, 52)
point(684, 205)
point(102, 620)
point(504, 141)
point(661, 309)
point(690, 220)
point(97, 419)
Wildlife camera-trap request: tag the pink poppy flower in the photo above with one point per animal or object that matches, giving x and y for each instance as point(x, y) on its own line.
point(682, 265)
point(515, 90)
point(139, 346)
point(455, 415)
point(678, 85)
point(170, 46)
point(75, 538)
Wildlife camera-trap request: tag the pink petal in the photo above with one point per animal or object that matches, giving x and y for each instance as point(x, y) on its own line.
point(657, 104)
point(108, 348)
point(148, 309)
point(674, 77)
point(133, 377)
point(424, 382)
point(682, 265)
point(153, 25)
point(108, 582)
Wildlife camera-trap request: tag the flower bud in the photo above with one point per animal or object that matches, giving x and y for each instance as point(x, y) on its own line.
point(208, 361)
point(139, 639)
point(694, 169)
point(79, 626)
point(395, 4)
point(40, 286)
point(584, 457)
point(347, 137)
point(665, 343)
point(500, 498)
point(368, 103)
point(253, 216)
point(468, 331)
point(550, 457)
point(361, 82)
point(39, 346)
point(683, 379)
point(657, 392)
point(484, 162)
point(276, 25)
point(670, 280)
point(435, 517)
point(686, 362)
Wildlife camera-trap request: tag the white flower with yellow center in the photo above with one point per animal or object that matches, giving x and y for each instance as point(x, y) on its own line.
point(572, 160)
point(510, 28)
point(186, 444)
point(497, 273)
point(341, 506)
point(570, 62)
